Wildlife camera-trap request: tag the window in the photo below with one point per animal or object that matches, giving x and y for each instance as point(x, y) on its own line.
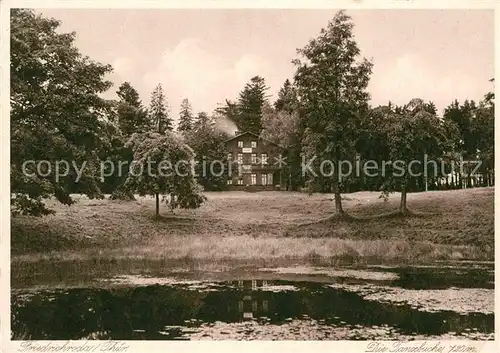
point(240, 144)
point(254, 179)
point(270, 179)
point(240, 158)
point(263, 158)
point(240, 181)
point(229, 156)
point(229, 181)
point(254, 158)
point(254, 144)
point(264, 179)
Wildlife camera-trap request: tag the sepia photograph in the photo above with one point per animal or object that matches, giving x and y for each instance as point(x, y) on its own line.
point(251, 174)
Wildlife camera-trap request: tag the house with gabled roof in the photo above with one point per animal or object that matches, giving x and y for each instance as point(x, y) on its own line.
point(256, 163)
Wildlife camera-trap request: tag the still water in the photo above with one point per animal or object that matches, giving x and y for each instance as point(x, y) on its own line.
point(410, 303)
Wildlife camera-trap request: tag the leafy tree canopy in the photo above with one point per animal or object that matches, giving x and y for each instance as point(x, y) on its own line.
point(162, 166)
point(331, 82)
point(56, 111)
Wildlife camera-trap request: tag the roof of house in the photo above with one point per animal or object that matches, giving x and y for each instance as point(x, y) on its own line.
point(257, 136)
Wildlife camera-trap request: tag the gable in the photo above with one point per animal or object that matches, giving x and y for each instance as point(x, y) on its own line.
point(246, 135)
point(243, 134)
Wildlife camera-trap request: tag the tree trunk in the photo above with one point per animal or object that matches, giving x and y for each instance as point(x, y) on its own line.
point(157, 196)
point(338, 199)
point(336, 189)
point(293, 184)
point(402, 206)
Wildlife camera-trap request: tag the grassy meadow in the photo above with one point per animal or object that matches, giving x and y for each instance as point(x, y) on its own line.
point(267, 228)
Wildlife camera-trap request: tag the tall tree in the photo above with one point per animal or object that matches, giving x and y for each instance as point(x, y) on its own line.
point(185, 116)
point(287, 98)
point(159, 119)
point(250, 103)
point(56, 112)
point(203, 122)
point(128, 94)
point(132, 117)
point(280, 127)
point(373, 144)
point(283, 125)
point(115, 158)
point(489, 98)
point(484, 135)
point(331, 85)
point(453, 117)
point(412, 135)
point(484, 130)
point(159, 111)
point(467, 141)
point(211, 168)
point(462, 116)
point(207, 141)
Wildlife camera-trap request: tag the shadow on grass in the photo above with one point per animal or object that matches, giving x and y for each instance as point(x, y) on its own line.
point(372, 227)
point(349, 218)
point(396, 214)
point(172, 218)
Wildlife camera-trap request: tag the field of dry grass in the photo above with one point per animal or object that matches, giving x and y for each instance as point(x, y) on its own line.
point(266, 226)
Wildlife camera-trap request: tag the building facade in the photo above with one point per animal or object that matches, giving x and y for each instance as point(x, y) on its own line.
point(255, 163)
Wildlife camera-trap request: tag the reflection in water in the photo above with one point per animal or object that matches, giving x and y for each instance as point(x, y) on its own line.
point(252, 303)
point(175, 311)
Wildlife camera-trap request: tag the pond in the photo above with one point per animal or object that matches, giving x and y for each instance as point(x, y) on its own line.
point(291, 303)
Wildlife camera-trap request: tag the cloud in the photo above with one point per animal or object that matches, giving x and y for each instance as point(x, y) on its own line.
point(123, 66)
point(409, 77)
point(191, 71)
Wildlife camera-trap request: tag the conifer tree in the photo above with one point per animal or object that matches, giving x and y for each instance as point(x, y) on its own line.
point(250, 103)
point(185, 116)
point(159, 111)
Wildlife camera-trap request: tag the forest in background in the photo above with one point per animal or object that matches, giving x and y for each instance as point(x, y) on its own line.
point(57, 113)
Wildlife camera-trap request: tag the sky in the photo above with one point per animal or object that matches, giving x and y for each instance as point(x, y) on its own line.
point(207, 55)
